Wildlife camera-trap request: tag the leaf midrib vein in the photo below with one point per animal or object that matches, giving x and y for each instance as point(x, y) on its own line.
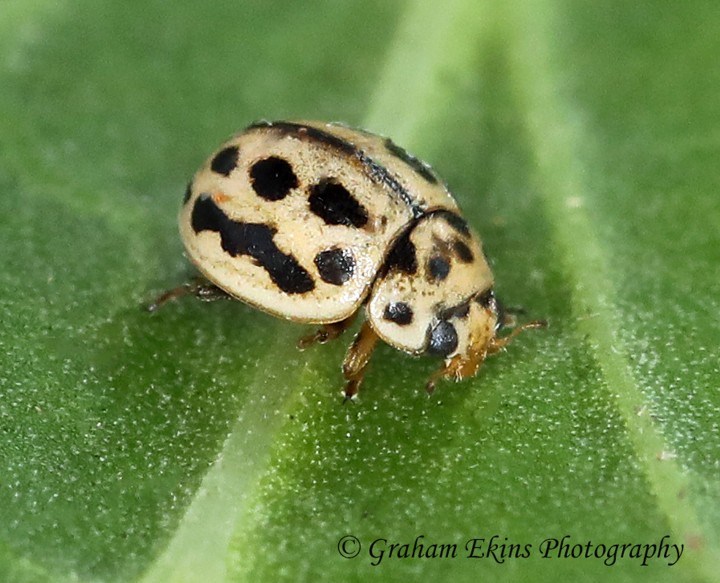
point(556, 136)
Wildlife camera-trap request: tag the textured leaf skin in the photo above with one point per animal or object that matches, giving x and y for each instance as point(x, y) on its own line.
point(580, 138)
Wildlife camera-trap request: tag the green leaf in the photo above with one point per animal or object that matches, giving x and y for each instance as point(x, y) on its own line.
point(197, 444)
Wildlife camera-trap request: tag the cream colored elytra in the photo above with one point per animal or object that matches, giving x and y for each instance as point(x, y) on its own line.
point(309, 220)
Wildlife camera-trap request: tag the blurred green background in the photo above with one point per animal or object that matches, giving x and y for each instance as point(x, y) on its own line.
point(582, 140)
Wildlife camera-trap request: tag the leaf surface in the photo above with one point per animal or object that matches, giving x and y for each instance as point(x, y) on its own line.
point(198, 444)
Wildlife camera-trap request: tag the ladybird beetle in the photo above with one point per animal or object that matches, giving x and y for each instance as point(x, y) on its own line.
point(309, 221)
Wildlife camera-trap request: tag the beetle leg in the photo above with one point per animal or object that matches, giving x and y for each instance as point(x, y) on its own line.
point(457, 368)
point(357, 359)
point(462, 366)
point(326, 332)
point(496, 344)
point(197, 286)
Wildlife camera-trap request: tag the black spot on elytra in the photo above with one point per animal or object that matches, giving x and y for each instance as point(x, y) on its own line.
point(334, 204)
point(225, 160)
point(272, 178)
point(188, 192)
point(399, 313)
point(402, 255)
point(486, 299)
point(376, 172)
point(462, 251)
point(255, 240)
point(443, 339)
point(438, 268)
point(416, 164)
point(456, 222)
point(460, 311)
point(489, 301)
point(335, 266)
